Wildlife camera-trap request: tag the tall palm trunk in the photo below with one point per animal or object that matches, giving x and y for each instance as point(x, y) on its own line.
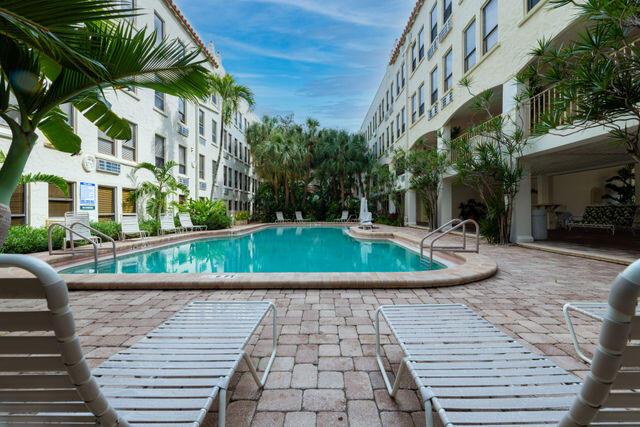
point(215, 171)
point(10, 173)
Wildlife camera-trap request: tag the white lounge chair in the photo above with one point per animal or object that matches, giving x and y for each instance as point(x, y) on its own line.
point(171, 377)
point(80, 223)
point(300, 218)
point(366, 221)
point(280, 217)
point(130, 226)
point(187, 224)
point(345, 217)
point(167, 225)
point(470, 373)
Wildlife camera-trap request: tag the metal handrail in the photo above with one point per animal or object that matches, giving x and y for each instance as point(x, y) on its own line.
point(458, 224)
point(95, 245)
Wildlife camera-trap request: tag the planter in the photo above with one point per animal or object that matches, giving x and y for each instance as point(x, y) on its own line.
point(5, 222)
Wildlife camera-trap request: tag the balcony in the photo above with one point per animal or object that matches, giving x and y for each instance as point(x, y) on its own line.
point(447, 99)
point(446, 29)
point(432, 49)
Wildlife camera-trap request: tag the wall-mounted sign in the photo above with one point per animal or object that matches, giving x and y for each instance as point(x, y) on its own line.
point(87, 196)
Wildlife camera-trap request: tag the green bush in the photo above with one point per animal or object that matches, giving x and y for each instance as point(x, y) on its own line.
point(242, 215)
point(110, 228)
point(151, 226)
point(207, 212)
point(24, 239)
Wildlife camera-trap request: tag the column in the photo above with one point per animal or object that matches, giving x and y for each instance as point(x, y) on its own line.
point(410, 207)
point(445, 209)
point(521, 221)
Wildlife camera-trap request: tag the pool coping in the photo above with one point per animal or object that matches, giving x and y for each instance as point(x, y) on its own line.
point(461, 268)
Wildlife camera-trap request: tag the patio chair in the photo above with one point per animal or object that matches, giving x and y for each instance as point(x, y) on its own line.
point(187, 224)
point(345, 217)
point(366, 221)
point(80, 223)
point(471, 373)
point(167, 225)
point(131, 227)
point(300, 218)
point(169, 378)
point(280, 217)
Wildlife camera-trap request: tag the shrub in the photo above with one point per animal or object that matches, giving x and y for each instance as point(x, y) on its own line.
point(242, 216)
point(207, 212)
point(24, 239)
point(110, 228)
point(151, 226)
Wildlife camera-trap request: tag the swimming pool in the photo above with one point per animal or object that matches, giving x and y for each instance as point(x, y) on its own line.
point(270, 250)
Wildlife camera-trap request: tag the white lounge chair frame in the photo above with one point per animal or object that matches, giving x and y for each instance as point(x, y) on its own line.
point(470, 373)
point(169, 378)
point(187, 224)
point(280, 217)
point(130, 225)
point(80, 223)
point(300, 218)
point(366, 221)
point(167, 224)
point(345, 217)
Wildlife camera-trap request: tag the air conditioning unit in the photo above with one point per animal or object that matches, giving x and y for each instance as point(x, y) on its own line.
point(226, 191)
point(432, 49)
point(108, 167)
point(183, 180)
point(203, 185)
point(446, 29)
point(183, 130)
point(433, 111)
point(447, 99)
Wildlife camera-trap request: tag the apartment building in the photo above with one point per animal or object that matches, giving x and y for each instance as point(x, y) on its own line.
point(487, 41)
point(164, 128)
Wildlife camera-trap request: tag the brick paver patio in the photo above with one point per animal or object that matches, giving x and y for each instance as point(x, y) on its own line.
point(325, 373)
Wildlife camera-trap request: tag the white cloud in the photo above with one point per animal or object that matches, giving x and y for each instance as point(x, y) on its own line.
point(313, 56)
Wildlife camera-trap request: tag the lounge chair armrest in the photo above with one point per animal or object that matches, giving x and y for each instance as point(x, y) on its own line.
point(566, 311)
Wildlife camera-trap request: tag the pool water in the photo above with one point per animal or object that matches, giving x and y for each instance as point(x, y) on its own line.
point(276, 249)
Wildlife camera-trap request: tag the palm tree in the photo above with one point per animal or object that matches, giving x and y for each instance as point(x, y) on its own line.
point(156, 193)
point(231, 94)
point(121, 56)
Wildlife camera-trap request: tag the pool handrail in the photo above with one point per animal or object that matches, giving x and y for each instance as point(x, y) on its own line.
point(454, 224)
point(71, 231)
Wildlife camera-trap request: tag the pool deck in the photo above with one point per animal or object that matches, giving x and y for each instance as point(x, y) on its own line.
point(325, 373)
point(462, 267)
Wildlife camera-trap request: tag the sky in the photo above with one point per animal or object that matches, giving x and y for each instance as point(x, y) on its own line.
point(311, 58)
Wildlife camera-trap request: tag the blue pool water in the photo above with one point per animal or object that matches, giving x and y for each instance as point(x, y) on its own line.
point(280, 249)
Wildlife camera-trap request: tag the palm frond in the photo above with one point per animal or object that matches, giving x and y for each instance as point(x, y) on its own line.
point(55, 180)
point(58, 131)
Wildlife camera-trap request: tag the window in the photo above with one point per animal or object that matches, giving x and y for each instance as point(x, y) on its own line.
point(106, 144)
point(67, 109)
point(106, 204)
point(235, 179)
point(531, 4)
point(201, 166)
point(398, 125)
point(414, 108)
point(434, 85)
point(447, 9)
point(387, 100)
point(414, 59)
point(434, 22)
point(224, 175)
point(130, 146)
point(18, 205)
point(128, 203)
point(402, 73)
point(214, 171)
point(201, 122)
point(448, 71)
point(470, 46)
point(183, 48)
point(159, 150)
point(421, 99)
point(214, 131)
point(158, 100)
point(235, 147)
point(489, 25)
point(421, 44)
point(59, 203)
point(182, 110)
point(214, 99)
point(182, 160)
point(392, 92)
point(397, 82)
point(404, 119)
point(158, 27)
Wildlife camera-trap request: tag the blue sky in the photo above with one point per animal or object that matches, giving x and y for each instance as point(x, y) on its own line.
point(313, 58)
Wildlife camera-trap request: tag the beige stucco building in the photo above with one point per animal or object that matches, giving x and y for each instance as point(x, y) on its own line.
point(487, 41)
point(164, 128)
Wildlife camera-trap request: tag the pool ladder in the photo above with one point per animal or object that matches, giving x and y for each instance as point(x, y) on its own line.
point(454, 224)
point(83, 236)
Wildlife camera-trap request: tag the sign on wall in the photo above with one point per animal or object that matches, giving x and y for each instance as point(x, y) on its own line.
point(87, 196)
